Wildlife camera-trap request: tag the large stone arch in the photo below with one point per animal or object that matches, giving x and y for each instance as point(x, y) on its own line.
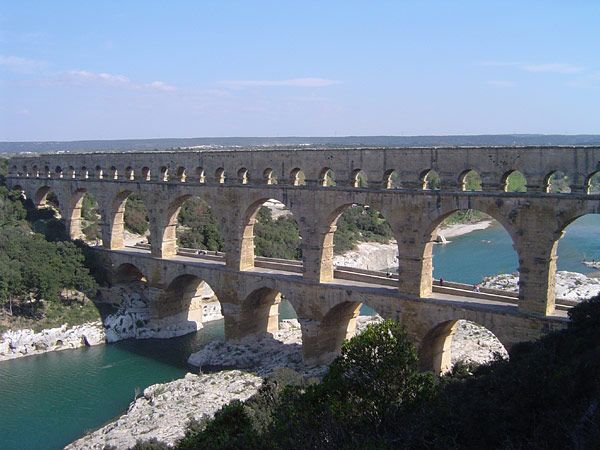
point(183, 303)
point(326, 225)
point(429, 235)
point(435, 349)
point(126, 273)
point(114, 225)
point(168, 232)
point(246, 227)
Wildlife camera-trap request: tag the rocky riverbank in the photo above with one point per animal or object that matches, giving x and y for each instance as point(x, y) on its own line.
point(19, 343)
point(164, 410)
point(376, 256)
point(569, 285)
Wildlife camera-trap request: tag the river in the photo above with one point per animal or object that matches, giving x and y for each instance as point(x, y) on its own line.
point(50, 400)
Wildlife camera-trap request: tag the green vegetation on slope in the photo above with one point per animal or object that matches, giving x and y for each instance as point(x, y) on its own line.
point(198, 227)
point(360, 223)
point(37, 271)
point(277, 238)
point(546, 396)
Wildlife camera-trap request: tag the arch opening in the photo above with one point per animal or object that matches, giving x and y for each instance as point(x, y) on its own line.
point(576, 256)
point(270, 231)
point(129, 173)
point(136, 223)
point(90, 219)
point(164, 173)
point(200, 178)
point(357, 226)
point(220, 175)
point(458, 342)
point(186, 306)
point(557, 182)
point(475, 254)
point(181, 174)
point(114, 173)
point(359, 179)
point(195, 225)
point(430, 180)
point(469, 181)
point(146, 173)
point(269, 176)
point(514, 181)
point(85, 174)
point(243, 176)
point(269, 325)
point(391, 180)
point(297, 177)
point(592, 184)
point(99, 173)
point(327, 177)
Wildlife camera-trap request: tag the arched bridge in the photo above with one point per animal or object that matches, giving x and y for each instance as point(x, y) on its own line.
point(235, 183)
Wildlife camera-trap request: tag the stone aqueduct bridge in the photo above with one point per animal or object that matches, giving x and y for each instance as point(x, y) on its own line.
point(235, 183)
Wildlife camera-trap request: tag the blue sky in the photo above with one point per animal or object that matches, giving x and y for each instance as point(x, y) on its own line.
point(131, 69)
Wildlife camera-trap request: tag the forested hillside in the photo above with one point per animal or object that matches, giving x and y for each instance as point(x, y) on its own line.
point(44, 281)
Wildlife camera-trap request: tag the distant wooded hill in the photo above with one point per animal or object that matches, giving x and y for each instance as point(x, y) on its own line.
point(350, 141)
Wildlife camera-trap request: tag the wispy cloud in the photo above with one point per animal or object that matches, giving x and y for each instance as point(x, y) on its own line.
point(309, 82)
point(538, 67)
point(20, 64)
point(116, 80)
point(501, 83)
point(102, 77)
point(160, 86)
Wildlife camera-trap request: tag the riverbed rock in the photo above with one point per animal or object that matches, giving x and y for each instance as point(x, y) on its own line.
point(134, 317)
point(18, 343)
point(569, 285)
point(164, 410)
point(473, 343)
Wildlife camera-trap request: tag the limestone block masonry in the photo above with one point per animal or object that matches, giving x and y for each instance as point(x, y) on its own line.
point(235, 183)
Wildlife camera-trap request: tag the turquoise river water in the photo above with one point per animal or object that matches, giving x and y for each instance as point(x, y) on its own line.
point(50, 400)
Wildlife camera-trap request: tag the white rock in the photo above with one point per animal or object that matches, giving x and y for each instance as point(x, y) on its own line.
point(165, 409)
point(569, 285)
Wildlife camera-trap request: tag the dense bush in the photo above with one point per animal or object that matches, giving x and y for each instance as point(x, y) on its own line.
point(277, 238)
point(198, 227)
point(546, 396)
point(136, 215)
point(359, 223)
point(36, 266)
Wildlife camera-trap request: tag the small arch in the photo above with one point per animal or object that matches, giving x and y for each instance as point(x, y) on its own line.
point(129, 174)
point(200, 175)
point(514, 181)
point(327, 177)
point(164, 173)
point(146, 173)
point(269, 176)
point(35, 172)
point(71, 172)
point(220, 175)
point(339, 324)
point(114, 173)
point(59, 172)
point(469, 180)
point(391, 179)
point(99, 173)
point(84, 173)
point(47, 172)
point(14, 171)
point(430, 180)
point(297, 177)
point(243, 176)
point(592, 183)
point(359, 179)
point(181, 174)
point(557, 182)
